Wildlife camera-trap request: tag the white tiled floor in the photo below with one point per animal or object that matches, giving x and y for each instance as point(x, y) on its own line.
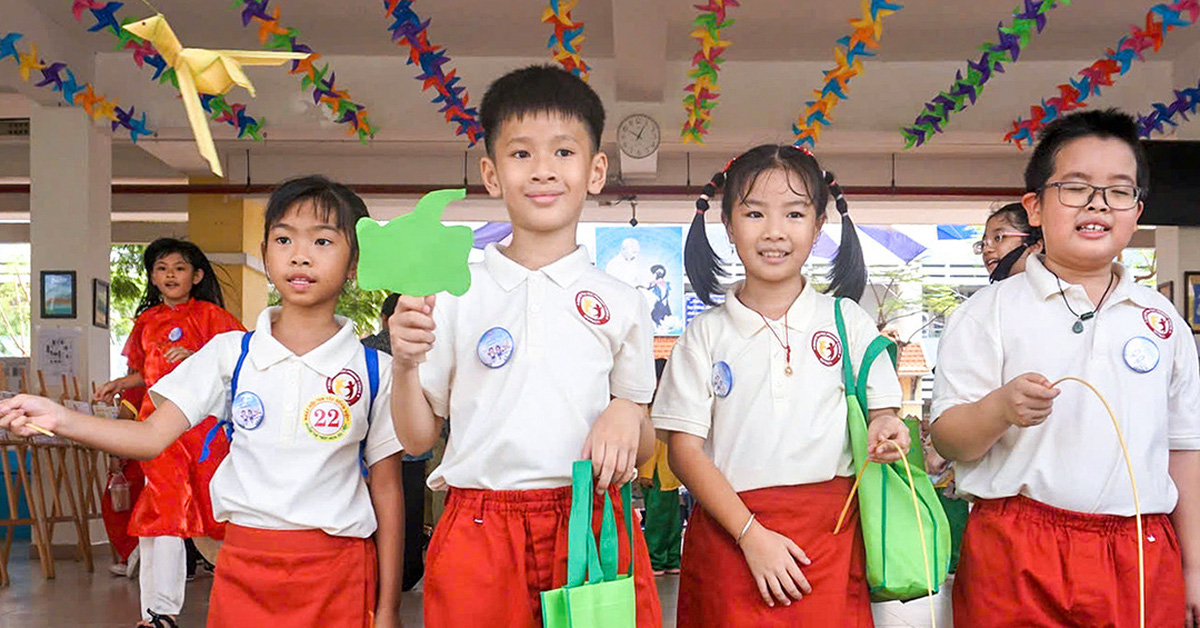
point(99, 600)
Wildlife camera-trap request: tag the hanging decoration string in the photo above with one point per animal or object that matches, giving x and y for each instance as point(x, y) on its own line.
point(321, 82)
point(566, 42)
point(1166, 114)
point(1028, 19)
point(848, 58)
point(146, 56)
point(58, 77)
point(703, 91)
point(410, 30)
point(1160, 20)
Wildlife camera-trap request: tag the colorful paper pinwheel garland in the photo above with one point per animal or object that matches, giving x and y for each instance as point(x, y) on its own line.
point(703, 91)
point(566, 42)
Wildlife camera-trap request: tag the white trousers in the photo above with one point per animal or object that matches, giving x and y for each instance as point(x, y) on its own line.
point(163, 574)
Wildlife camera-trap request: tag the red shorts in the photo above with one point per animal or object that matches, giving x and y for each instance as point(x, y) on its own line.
point(293, 579)
point(494, 552)
point(1028, 564)
point(716, 588)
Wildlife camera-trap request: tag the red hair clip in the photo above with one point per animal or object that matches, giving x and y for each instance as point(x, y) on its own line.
point(804, 149)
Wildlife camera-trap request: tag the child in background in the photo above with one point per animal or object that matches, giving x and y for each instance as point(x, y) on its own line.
point(306, 420)
point(660, 491)
point(1008, 240)
point(754, 403)
point(180, 312)
point(1051, 539)
point(544, 361)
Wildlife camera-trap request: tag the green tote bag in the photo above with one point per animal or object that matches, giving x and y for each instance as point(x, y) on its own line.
point(596, 595)
point(896, 566)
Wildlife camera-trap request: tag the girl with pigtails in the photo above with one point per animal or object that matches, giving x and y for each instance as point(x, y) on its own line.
point(754, 409)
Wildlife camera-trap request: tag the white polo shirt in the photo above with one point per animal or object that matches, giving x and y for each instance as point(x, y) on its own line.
point(294, 460)
point(525, 362)
point(725, 382)
point(1137, 351)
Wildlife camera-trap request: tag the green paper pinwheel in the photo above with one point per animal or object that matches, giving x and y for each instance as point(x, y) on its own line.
point(415, 254)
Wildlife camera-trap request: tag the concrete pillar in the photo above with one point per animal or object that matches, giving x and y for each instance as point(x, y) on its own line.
point(229, 230)
point(70, 215)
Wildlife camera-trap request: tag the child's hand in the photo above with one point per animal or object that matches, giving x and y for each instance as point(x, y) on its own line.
point(411, 329)
point(613, 443)
point(177, 354)
point(109, 390)
point(774, 561)
point(884, 428)
point(17, 413)
point(1028, 399)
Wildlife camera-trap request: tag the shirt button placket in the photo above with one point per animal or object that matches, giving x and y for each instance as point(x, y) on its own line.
point(534, 316)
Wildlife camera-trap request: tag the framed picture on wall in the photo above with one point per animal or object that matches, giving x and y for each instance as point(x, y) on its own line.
point(100, 303)
point(58, 293)
point(1167, 289)
point(1191, 300)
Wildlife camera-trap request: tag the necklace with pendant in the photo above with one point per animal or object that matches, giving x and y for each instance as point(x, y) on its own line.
point(786, 344)
point(1086, 316)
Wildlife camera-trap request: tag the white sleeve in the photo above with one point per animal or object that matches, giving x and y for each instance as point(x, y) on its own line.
point(381, 439)
point(199, 386)
point(883, 386)
point(437, 371)
point(970, 361)
point(685, 396)
point(632, 375)
point(1183, 397)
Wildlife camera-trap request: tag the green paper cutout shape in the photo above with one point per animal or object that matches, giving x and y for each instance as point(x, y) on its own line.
point(415, 254)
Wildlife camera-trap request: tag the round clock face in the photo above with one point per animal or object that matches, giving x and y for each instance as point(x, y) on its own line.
point(638, 136)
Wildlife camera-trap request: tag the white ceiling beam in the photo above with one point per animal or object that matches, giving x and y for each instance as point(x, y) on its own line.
point(640, 50)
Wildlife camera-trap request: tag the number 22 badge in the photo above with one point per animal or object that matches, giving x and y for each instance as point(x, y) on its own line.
point(327, 417)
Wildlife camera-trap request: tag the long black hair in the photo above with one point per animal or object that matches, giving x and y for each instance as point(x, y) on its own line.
point(209, 289)
point(1016, 216)
point(847, 277)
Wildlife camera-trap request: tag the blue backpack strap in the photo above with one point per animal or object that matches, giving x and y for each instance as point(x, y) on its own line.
point(227, 422)
point(372, 357)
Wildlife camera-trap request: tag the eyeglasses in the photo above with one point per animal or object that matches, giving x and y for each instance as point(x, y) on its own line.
point(1077, 194)
point(994, 241)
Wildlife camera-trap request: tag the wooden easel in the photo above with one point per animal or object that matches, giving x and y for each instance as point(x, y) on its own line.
point(21, 449)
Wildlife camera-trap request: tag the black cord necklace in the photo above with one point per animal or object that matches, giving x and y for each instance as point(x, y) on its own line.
point(1086, 316)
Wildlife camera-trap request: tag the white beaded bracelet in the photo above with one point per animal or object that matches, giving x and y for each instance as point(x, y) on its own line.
point(745, 528)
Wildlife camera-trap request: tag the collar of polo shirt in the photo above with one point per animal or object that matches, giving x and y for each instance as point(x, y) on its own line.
point(748, 322)
point(1046, 287)
point(327, 359)
point(510, 274)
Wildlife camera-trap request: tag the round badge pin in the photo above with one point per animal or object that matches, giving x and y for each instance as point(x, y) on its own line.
point(495, 347)
point(722, 379)
point(327, 417)
point(247, 410)
point(1141, 354)
point(175, 334)
point(347, 385)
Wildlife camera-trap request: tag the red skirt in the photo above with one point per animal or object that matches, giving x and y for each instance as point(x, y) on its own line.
point(717, 589)
point(494, 552)
point(1028, 564)
point(175, 500)
point(293, 579)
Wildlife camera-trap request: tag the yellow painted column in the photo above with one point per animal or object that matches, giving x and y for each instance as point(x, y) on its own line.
point(229, 230)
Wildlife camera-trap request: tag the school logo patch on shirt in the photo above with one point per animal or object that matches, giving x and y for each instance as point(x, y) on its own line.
point(1158, 322)
point(347, 385)
point(591, 307)
point(327, 417)
point(175, 334)
point(722, 379)
point(827, 348)
point(247, 410)
point(495, 347)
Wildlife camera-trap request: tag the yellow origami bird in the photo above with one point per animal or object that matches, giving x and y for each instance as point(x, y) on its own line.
point(204, 71)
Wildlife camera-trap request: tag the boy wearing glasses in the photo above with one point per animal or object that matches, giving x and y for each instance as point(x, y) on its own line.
point(1052, 538)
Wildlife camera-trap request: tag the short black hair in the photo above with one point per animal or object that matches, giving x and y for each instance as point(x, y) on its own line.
point(539, 89)
point(1107, 123)
point(389, 305)
point(328, 198)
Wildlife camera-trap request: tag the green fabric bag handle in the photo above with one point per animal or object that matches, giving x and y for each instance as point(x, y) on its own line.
point(584, 559)
point(858, 387)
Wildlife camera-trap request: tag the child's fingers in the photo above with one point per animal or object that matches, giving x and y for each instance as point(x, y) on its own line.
point(788, 583)
point(776, 588)
point(796, 552)
point(801, 583)
point(413, 320)
point(761, 581)
point(430, 302)
point(603, 459)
